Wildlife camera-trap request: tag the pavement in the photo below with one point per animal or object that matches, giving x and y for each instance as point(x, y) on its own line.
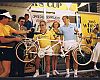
point(91, 73)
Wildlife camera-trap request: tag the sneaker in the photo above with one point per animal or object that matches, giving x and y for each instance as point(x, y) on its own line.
point(75, 76)
point(36, 75)
point(56, 72)
point(95, 68)
point(67, 76)
point(47, 75)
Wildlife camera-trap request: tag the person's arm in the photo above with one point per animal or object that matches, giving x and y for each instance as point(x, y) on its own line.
point(51, 36)
point(19, 31)
point(7, 40)
point(98, 37)
point(76, 29)
point(61, 36)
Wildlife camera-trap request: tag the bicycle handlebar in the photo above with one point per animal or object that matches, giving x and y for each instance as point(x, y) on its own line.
point(37, 33)
point(59, 33)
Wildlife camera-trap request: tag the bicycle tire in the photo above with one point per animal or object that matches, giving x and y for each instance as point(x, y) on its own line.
point(84, 55)
point(22, 54)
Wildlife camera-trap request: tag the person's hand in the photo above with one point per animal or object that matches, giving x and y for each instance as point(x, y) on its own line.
point(63, 55)
point(28, 31)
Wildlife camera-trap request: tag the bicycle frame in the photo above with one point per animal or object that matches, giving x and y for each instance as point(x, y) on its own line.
point(41, 52)
point(41, 55)
point(49, 47)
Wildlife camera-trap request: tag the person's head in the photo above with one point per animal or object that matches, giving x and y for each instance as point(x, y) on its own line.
point(95, 29)
point(42, 25)
point(14, 18)
point(56, 24)
point(26, 16)
point(97, 26)
point(4, 16)
point(21, 21)
point(65, 19)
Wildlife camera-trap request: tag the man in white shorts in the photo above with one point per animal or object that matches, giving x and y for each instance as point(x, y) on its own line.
point(68, 31)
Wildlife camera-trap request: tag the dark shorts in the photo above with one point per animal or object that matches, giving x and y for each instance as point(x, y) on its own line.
point(7, 54)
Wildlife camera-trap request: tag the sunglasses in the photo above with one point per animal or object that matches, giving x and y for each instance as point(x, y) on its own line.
point(42, 25)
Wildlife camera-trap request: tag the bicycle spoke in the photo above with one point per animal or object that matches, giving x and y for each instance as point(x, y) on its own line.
point(26, 53)
point(84, 55)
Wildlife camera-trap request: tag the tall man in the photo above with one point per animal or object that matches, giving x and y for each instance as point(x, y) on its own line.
point(68, 31)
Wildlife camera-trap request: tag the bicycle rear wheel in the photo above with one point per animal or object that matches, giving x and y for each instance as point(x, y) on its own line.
point(26, 51)
point(84, 55)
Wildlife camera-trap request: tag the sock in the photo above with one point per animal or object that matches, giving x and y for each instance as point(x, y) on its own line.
point(95, 65)
point(37, 71)
point(67, 70)
point(48, 75)
point(54, 70)
point(75, 71)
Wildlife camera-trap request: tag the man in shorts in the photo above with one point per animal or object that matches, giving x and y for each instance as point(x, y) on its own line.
point(68, 31)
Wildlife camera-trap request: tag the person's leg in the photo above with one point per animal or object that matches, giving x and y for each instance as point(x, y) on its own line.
point(55, 62)
point(75, 65)
point(6, 67)
point(37, 63)
point(71, 62)
point(53, 65)
point(95, 67)
point(67, 64)
point(67, 58)
point(1, 68)
point(47, 67)
point(96, 53)
point(56, 50)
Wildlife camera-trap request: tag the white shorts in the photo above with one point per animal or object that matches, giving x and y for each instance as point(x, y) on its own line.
point(70, 44)
point(96, 52)
point(48, 50)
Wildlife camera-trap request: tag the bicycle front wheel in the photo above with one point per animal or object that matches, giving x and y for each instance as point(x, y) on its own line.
point(82, 55)
point(26, 52)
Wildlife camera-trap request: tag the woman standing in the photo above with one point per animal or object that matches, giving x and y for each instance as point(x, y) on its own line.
point(56, 49)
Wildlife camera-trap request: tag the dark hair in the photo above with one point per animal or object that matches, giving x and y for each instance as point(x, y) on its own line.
point(42, 21)
point(1, 12)
point(26, 14)
point(20, 18)
point(13, 17)
point(66, 17)
point(95, 28)
point(56, 22)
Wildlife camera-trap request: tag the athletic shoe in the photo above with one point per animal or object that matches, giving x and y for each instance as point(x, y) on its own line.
point(36, 74)
point(67, 76)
